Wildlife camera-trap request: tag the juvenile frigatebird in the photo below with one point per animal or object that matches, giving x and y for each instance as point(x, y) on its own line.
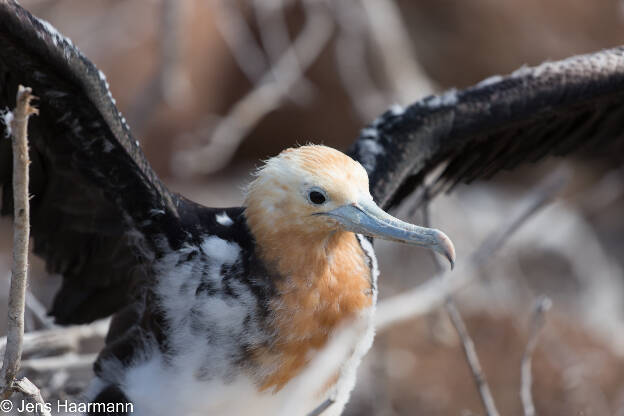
point(217, 311)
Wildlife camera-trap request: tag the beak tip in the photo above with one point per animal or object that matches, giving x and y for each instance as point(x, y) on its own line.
point(447, 248)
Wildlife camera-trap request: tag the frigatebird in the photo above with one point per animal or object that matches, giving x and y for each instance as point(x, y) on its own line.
point(217, 311)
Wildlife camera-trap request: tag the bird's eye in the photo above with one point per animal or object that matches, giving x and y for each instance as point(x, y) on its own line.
point(316, 197)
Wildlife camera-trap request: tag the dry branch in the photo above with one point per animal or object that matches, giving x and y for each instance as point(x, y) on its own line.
point(273, 31)
point(367, 98)
point(21, 234)
point(471, 356)
point(431, 294)
point(240, 39)
point(65, 362)
point(38, 310)
point(60, 340)
point(467, 343)
point(408, 80)
point(28, 389)
point(266, 96)
point(542, 305)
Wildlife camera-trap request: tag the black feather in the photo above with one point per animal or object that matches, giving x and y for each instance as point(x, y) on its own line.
point(554, 108)
point(94, 194)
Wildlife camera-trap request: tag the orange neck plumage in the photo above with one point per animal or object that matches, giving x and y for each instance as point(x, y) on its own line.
point(324, 279)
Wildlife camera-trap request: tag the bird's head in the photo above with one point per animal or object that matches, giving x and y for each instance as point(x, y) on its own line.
point(314, 191)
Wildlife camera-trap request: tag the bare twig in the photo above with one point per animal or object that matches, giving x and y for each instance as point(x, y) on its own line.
point(542, 305)
point(27, 388)
point(173, 80)
point(21, 233)
point(275, 39)
point(407, 78)
point(431, 294)
point(351, 60)
point(467, 343)
point(37, 309)
point(65, 362)
point(60, 340)
point(240, 39)
point(472, 358)
point(264, 98)
point(538, 198)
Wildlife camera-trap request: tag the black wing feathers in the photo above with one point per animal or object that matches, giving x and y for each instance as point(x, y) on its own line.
point(95, 200)
point(553, 108)
point(98, 208)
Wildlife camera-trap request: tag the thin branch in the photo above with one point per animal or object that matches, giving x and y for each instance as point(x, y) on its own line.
point(65, 362)
point(267, 96)
point(352, 63)
point(60, 340)
point(174, 83)
point(37, 309)
point(21, 234)
point(431, 294)
point(273, 31)
point(240, 40)
point(467, 343)
point(542, 305)
point(27, 388)
point(408, 80)
point(539, 197)
point(472, 358)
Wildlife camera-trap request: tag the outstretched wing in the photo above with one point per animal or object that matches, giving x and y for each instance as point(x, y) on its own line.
point(553, 108)
point(97, 205)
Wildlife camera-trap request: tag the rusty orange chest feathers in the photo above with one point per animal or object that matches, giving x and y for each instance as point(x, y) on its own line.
point(303, 210)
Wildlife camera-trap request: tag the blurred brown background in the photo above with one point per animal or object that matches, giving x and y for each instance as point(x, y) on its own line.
point(210, 87)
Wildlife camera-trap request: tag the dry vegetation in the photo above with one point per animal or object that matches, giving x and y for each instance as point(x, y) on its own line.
point(200, 78)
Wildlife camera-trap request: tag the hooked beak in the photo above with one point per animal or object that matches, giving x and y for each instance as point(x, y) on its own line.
point(365, 217)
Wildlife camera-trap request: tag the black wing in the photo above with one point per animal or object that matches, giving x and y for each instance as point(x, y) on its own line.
point(97, 205)
point(553, 108)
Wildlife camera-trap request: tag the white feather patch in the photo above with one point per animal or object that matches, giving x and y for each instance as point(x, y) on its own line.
point(224, 219)
point(7, 118)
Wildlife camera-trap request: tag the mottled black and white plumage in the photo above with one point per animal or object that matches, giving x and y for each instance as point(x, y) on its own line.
point(193, 297)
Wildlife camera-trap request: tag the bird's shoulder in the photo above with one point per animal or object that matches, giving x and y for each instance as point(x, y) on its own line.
point(201, 223)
